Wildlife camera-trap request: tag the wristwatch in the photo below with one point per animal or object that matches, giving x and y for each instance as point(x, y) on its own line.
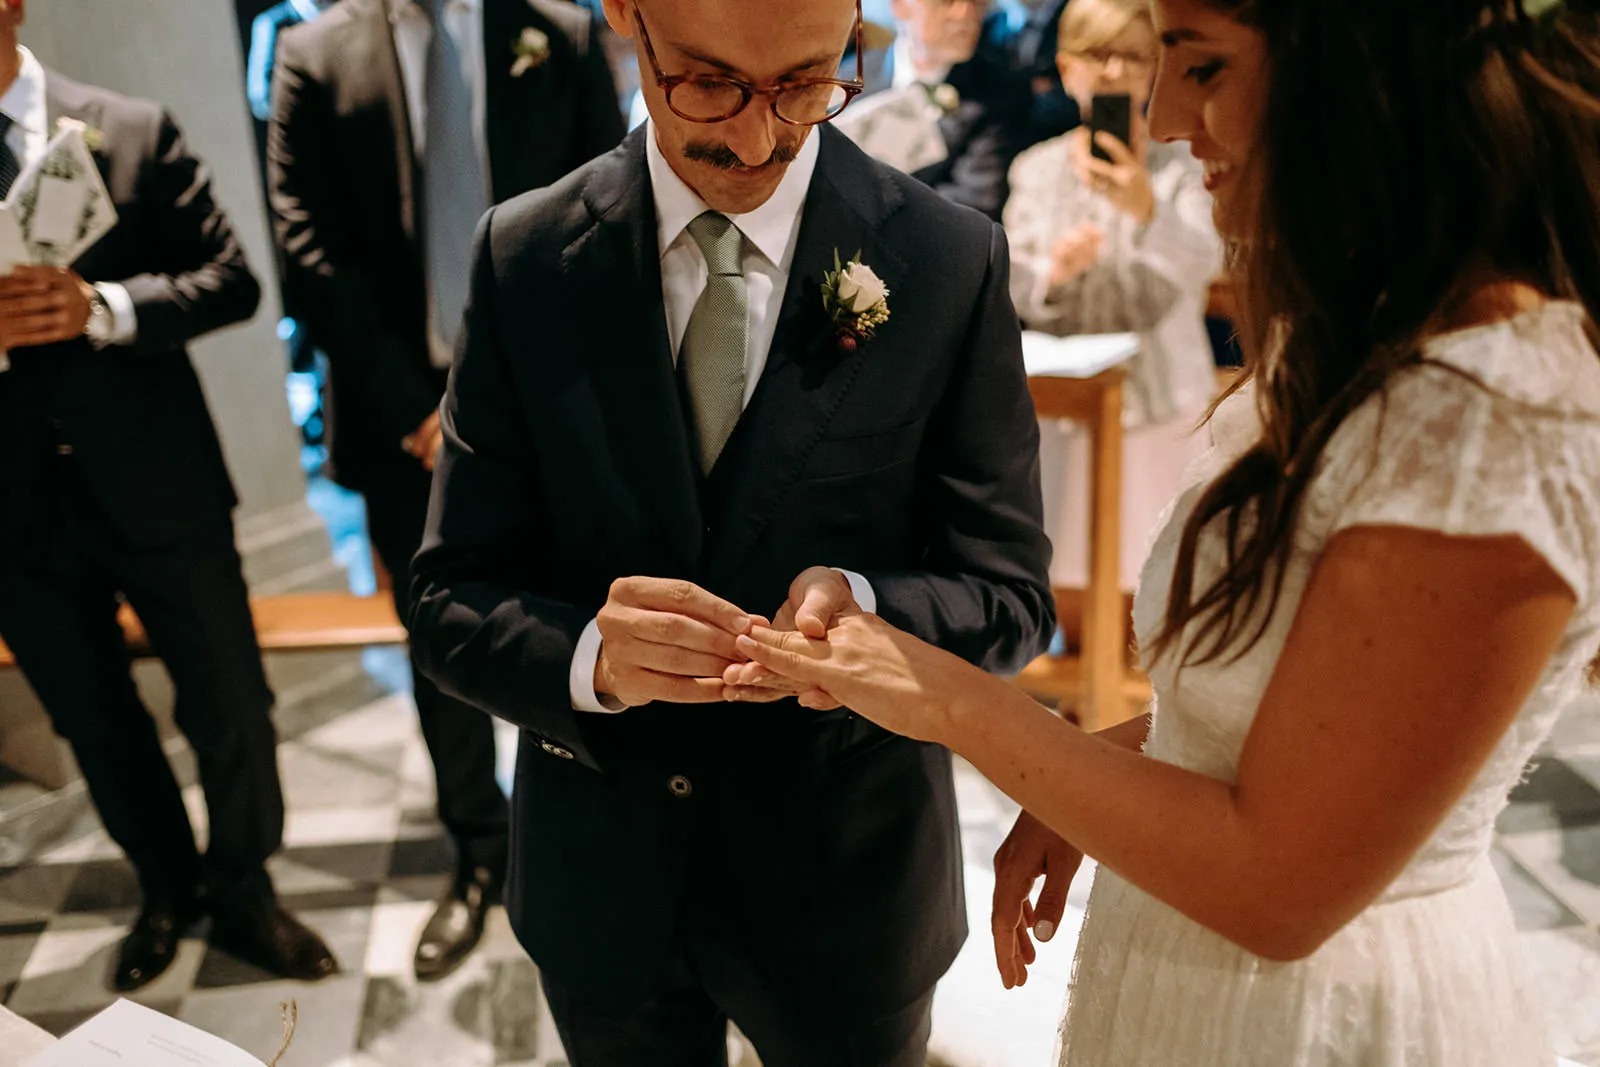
point(99, 327)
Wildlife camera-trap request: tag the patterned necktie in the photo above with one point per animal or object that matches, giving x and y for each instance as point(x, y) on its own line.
point(9, 168)
point(456, 194)
point(711, 358)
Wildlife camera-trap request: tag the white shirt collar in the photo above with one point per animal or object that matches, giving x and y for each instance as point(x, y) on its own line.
point(905, 67)
point(23, 103)
point(769, 228)
point(306, 9)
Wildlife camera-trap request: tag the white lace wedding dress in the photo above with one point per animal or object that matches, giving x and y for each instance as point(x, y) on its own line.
point(1431, 975)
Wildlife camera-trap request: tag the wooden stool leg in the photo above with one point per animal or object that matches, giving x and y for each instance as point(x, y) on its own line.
point(1103, 624)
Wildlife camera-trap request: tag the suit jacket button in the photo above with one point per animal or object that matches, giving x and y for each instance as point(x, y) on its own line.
point(679, 786)
point(556, 750)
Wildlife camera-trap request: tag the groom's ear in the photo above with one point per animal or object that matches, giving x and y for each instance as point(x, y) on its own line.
point(619, 16)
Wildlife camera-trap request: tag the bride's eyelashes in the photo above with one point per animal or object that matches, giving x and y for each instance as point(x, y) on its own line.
point(1205, 72)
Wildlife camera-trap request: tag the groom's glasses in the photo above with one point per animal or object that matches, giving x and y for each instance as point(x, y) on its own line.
point(707, 98)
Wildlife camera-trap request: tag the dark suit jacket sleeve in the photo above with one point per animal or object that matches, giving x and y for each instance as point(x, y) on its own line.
point(976, 176)
point(984, 592)
point(322, 284)
point(199, 279)
point(477, 628)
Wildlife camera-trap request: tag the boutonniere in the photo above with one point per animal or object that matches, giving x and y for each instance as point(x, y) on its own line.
point(92, 137)
point(532, 48)
point(945, 97)
point(856, 300)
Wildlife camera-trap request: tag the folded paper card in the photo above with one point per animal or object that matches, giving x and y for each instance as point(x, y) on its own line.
point(127, 1033)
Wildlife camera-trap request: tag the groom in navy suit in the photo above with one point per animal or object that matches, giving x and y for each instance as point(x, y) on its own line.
point(655, 429)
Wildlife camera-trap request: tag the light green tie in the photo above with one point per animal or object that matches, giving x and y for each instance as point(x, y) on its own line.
point(711, 358)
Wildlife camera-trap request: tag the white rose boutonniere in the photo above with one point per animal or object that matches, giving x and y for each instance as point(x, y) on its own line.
point(532, 48)
point(93, 139)
point(856, 300)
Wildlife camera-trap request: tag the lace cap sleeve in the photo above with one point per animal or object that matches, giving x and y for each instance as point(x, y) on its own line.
point(1442, 451)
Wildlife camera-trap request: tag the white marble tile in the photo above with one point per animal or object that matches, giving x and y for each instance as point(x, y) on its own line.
point(304, 827)
point(1566, 863)
point(61, 951)
point(94, 845)
point(380, 725)
point(396, 925)
point(250, 1017)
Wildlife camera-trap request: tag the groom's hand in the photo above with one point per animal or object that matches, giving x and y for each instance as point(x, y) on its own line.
point(818, 598)
point(665, 639)
point(1030, 850)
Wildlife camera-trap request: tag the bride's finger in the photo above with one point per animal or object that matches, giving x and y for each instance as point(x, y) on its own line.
point(792, 654)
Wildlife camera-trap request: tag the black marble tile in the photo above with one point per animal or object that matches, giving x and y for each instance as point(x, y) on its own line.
point(103, 885)
point(513, 1007)
point(223, 970)
point(1533, 908)
point(428, 855)
point(355, 896)
point(353, 861)
point(15, 949)
point(385, 1010)
point(1552, 796)
point(28, 926)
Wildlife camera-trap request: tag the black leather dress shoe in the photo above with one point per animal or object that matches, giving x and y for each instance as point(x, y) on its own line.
point(456, 926)
point(274, 940)
point(152, 944)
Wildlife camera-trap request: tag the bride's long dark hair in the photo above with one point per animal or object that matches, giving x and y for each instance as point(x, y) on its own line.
point(1409, 148)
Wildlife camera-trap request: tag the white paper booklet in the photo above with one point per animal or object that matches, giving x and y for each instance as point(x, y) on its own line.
point(128, 1034)
point(899, 127)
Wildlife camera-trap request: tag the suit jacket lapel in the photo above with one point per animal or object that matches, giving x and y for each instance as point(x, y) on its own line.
point(386, 69)
point(806, 378)
point(634, 373)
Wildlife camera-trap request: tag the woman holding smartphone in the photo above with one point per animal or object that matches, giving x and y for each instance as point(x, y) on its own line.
point(1114, 247)
point(1377, 593)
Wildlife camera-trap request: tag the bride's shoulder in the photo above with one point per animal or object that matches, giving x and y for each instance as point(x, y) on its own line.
point(1542, 358)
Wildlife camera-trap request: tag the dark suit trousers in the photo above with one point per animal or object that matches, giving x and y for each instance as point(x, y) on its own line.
point(58, 606)
point(460, 737)
point(717, 973)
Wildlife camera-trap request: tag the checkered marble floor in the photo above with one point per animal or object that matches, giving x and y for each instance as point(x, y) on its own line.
point(365, 859)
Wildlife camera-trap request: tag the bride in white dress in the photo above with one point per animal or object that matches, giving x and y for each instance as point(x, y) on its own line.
point(1379, 589)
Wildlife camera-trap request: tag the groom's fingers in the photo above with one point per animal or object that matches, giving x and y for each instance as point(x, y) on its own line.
point(667, 659)
point(677, 597)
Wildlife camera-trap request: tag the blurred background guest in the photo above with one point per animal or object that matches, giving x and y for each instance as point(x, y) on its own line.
point(1124, 246)
point(1021, 36)
point(396, 124)
point(113, 488)
point(979, 109)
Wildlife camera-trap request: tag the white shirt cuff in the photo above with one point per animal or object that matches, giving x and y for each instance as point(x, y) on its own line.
point(862, 590)
point(124, 320)
point(580, 680)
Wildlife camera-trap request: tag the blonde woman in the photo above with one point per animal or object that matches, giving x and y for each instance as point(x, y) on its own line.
point(1126, 246)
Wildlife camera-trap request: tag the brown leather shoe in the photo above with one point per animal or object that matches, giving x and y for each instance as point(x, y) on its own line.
point(274, 940)
point(152, 944)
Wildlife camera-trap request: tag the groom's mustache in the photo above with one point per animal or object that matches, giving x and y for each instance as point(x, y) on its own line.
point(724, 158)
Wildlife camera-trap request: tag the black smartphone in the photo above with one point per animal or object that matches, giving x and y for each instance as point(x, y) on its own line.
point(1113, 114)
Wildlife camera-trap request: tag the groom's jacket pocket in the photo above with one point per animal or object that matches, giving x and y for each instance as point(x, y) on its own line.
point(850, 455)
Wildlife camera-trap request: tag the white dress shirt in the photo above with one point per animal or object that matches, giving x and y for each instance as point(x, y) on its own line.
point(28, 137)
point(770, 232)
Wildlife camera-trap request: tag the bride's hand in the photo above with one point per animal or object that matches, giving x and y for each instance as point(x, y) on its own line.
point(1029, 851)
point(884, 674)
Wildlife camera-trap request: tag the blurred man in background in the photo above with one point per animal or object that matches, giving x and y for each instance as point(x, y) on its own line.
point(396, 124)
point(113, 488)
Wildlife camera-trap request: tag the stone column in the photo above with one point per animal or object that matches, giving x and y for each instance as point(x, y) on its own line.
point(186, 54)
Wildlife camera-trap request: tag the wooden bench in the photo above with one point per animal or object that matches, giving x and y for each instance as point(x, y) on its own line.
point(294, 622)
